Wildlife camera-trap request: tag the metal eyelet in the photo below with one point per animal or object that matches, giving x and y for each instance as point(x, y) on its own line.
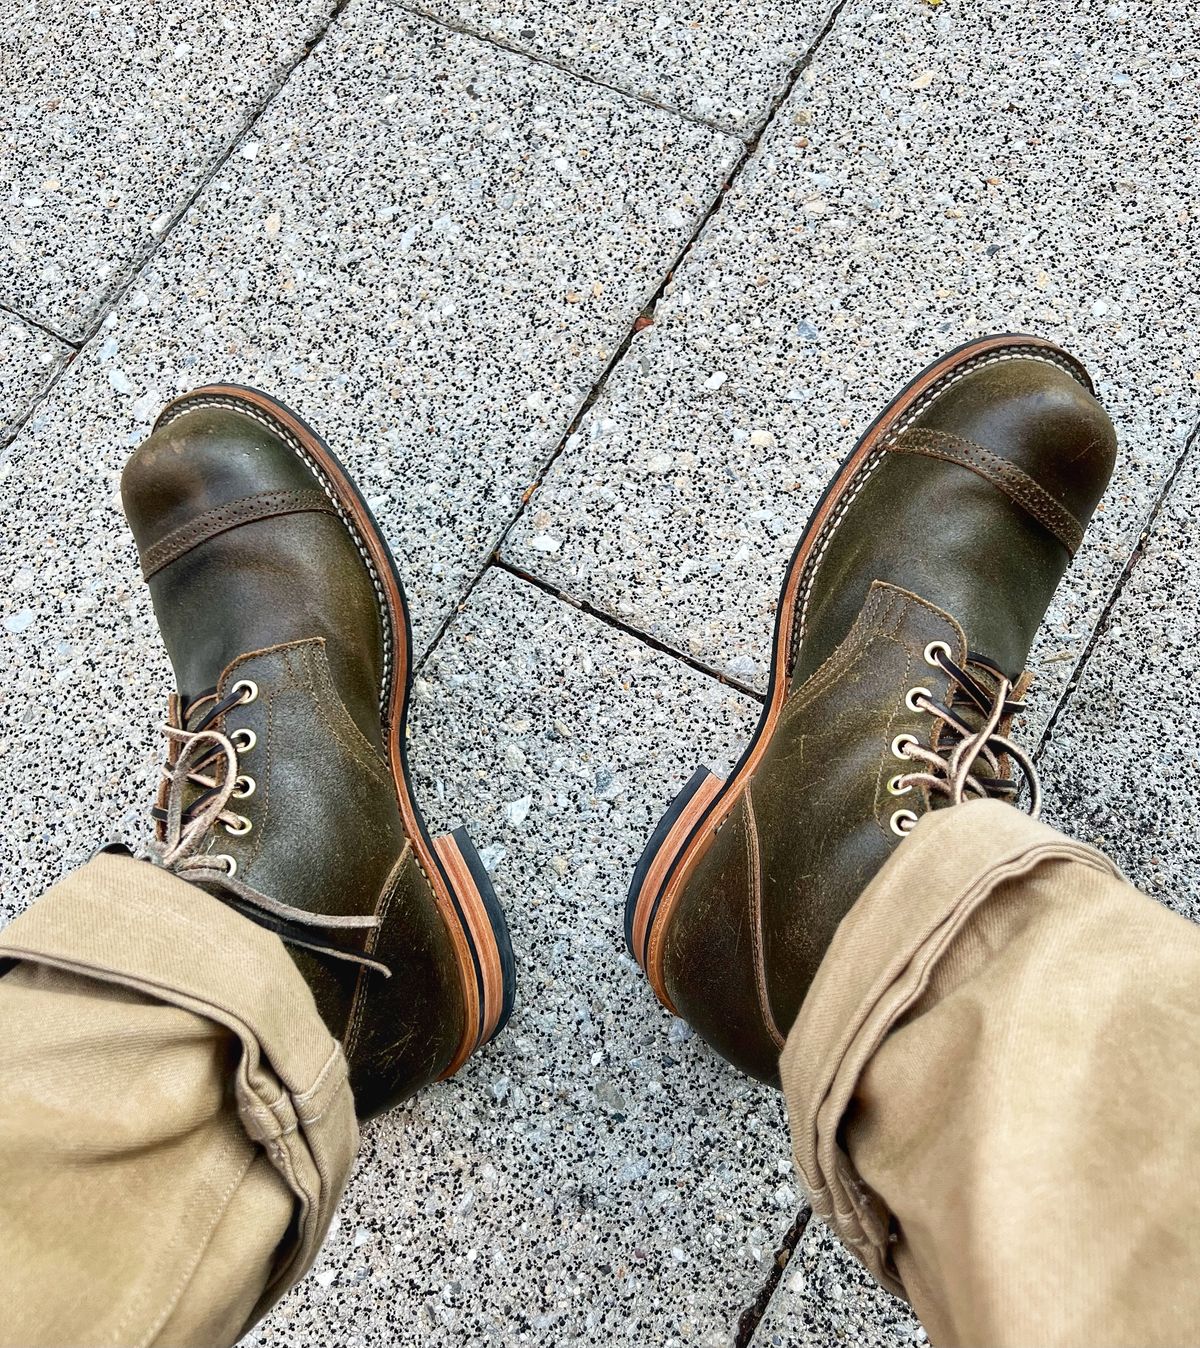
point(243, 740)
point(244, 787)
point(896, 786)
point(248, 687)
point(930, 657)
point(910, 698)
point(903, 822)
point(900, 743)
point(230, 863)
point(241, 828)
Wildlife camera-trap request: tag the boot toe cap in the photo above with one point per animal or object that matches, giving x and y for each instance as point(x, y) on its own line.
point(203, 459)
point(1035, 412)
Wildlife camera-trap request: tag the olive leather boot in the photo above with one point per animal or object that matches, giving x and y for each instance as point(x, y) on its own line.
point(903, 628)
point(286, 792)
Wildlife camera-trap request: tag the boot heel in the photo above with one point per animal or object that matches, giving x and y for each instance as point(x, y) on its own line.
point(666, 843)
point(486, 931)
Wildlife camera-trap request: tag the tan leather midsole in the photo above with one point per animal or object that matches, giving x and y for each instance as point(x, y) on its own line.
point(475, 912)
point(706, 793)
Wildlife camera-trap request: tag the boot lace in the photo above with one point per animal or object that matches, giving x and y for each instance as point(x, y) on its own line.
point(964, 761)
point(200, 779)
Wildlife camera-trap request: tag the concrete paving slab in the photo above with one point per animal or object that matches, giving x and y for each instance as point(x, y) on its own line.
point(938, 174)
point(1122, 770)
point(597, 1176)
point(396, 252)
point(826, 1297)
point(114, 112)
point(29, 359)
point(431, 257)
point(725, 62)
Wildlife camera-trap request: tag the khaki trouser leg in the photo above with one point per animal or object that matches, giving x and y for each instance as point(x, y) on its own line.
point(176, 1124)
point(994, 1090)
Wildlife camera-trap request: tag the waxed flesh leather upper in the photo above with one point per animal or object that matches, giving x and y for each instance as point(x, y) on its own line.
point(926, 551)
point(288, 603)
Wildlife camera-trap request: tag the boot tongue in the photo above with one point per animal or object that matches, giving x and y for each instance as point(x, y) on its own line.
point(990, 673)
point(985, 664)
point(964, 701)
point(189, 711)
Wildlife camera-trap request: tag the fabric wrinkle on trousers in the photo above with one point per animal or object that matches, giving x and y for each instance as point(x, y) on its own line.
point(993, 1088)
point(177, 1124)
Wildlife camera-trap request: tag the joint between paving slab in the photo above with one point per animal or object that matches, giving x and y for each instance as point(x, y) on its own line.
point(1191, 443)
point(646, 313)
point(645, 317)
point(479, 36)
point(499, 564)
point(610, 621)
point(751, 1317)
point(143, 259)
point(40, 325)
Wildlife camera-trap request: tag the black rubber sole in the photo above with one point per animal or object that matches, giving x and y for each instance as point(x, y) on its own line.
point(650, 851)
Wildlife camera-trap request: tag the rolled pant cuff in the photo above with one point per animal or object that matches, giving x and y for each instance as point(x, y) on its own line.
point(122, 921)
point(875, 971)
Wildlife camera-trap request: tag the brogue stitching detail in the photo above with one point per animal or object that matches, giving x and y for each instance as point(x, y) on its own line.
point(875, 458)
point(1007, 477)
point(223, 518)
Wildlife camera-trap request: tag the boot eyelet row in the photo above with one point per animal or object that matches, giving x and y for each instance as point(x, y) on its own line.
point(903, 822)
